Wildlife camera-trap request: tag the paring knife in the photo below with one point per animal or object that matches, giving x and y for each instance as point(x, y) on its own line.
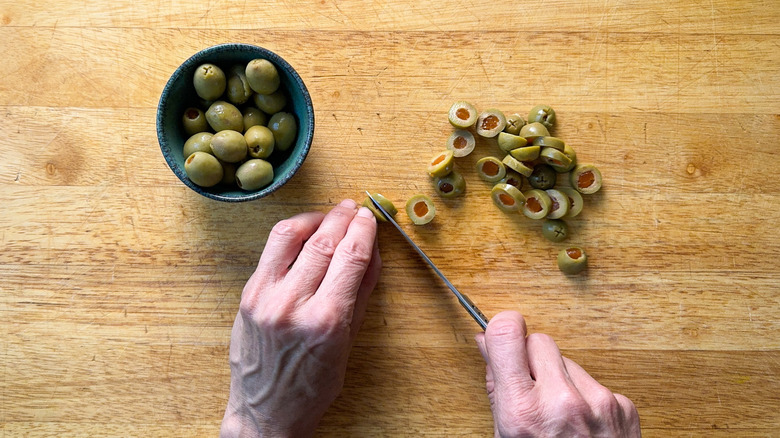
point(463, 299)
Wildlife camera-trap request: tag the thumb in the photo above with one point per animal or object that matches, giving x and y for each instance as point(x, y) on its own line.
point(507, 356)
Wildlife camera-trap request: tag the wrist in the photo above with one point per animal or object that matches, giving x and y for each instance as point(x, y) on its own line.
point(244, 422)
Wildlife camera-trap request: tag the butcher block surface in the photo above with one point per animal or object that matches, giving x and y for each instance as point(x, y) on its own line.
point(119, 285)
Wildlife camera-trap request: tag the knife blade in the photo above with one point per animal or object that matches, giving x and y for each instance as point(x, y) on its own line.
point(464, 300)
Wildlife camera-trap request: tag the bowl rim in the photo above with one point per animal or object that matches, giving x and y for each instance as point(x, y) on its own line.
point(198, 57)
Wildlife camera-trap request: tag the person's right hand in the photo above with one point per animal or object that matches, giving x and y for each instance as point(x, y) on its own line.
point(536, 392)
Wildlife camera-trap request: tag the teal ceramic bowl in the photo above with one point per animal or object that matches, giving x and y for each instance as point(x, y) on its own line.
point(179, 94)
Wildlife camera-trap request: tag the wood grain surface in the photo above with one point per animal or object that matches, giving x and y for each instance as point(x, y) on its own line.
point(119, 285)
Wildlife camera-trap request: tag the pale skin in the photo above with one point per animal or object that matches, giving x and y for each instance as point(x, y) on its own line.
point(302, 308)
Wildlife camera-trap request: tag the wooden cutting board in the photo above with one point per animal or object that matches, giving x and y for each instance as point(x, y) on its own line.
point(120, 285)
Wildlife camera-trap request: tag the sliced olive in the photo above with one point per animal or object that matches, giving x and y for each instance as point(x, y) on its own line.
point(514, 123)
point(572, 260)
point(420, 209)
point(490, 123)
point(537, 204)
point(450, 186)
point(462, 115)
point(507, 197)
point(533, 130)
point(441, 164)
point(461, 143)
point(384, 202)
point(507, 141)
point(524, 168)
point(543, 114)
point(543, 177)
point(585, 178)
point(490, 169)
point(555, 158)
point(555, 230)
point(569, 152)
point(550, 142)
point(575, 201)
point(560, 204)
point(513, 179)
point(528, 153)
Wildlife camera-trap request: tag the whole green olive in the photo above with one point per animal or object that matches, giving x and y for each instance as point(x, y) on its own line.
point(200, 142)
point(228, 173)
point(203, 169)
point(262, 75)
point(543, 177)
point(543, 114)
point(238, 90)
point(271, 103)
point(254, 174)
point(229, 146)
point(253, 117)
point(514, 123)
point(260, 141)
point(222, 115)
point(194, 121)
point(209, 81)
point(555, 230)
point(284, 128)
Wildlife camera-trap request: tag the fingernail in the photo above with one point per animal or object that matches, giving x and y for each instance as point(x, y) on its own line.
point(348, 203)
point(365, 212)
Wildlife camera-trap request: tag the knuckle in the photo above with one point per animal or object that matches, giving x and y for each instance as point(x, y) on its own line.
point(604, 402)
point(629, 409)
point(356, 252)
point(332, 320)
point(504, 330)
point(322, 244)
point(571, 403)
point(286, 229)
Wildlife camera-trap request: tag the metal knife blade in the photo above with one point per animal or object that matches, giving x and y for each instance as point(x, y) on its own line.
point(464, 300)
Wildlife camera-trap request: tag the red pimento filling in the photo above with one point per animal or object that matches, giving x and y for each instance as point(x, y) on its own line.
point(533, 205)
point(490, 122)
point(490, 168)
point(420, 209)
point(586, 179)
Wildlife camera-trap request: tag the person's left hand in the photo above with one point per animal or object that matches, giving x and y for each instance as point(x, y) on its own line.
point(299, 314)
